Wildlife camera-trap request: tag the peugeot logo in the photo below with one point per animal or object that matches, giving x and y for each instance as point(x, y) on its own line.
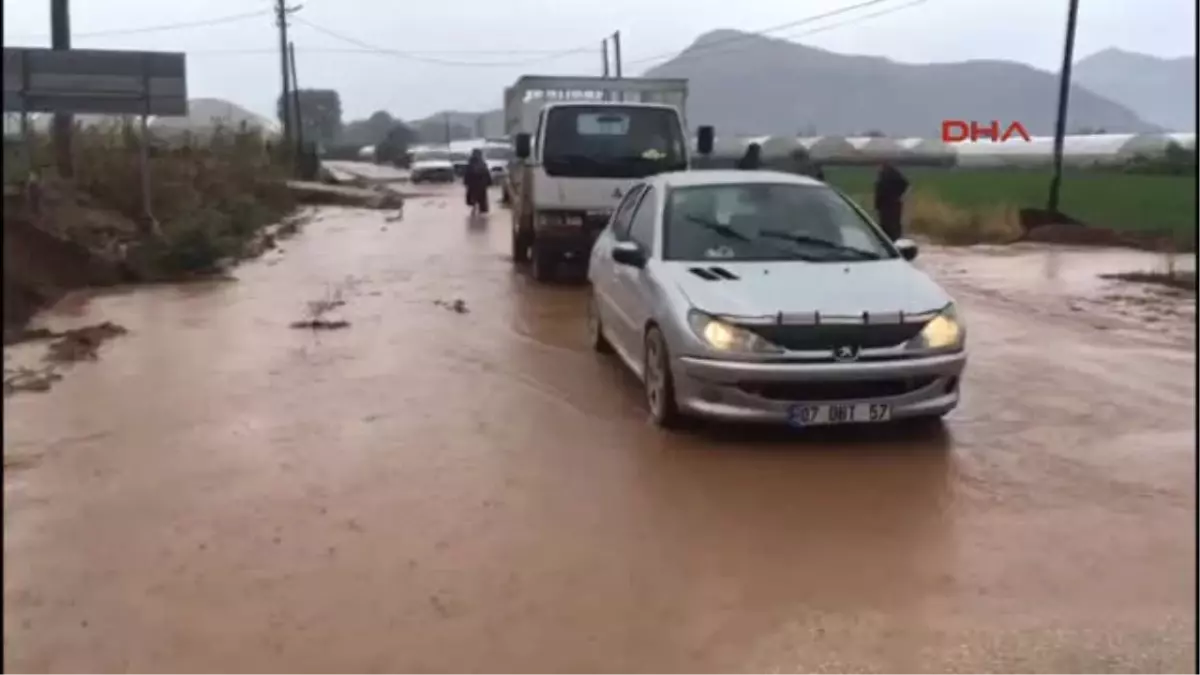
point(616, 193)
point(845, 353)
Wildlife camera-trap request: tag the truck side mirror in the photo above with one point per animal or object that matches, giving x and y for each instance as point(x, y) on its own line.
point(704, 140)
point(523, 145)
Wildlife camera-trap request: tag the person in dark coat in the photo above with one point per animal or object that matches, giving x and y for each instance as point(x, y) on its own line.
point(752, 159)
point(477, 178)
point(818, 172)
point(890, 186)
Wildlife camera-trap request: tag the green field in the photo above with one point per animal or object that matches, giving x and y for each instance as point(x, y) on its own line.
point(1119, 201)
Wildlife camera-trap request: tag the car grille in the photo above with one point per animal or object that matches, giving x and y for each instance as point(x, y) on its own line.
point(835, 390)
point(831, 336)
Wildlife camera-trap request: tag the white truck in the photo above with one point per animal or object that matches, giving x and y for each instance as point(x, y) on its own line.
point(579, 143)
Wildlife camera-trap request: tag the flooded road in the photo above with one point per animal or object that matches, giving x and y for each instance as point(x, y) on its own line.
point(456, 491)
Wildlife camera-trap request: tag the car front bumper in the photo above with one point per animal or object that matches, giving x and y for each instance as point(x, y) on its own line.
point(761, 391)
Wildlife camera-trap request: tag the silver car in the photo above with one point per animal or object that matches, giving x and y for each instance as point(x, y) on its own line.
point(763, 296)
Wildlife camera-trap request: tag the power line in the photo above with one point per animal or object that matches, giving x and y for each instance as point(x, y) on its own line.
point(169, 26)
point(741, 37)
point(414, 56)
point(371, 52)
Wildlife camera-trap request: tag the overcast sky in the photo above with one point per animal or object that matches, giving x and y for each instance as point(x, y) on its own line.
point(238, 59)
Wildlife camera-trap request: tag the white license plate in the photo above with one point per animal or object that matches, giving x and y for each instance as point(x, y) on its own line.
point(838, 413)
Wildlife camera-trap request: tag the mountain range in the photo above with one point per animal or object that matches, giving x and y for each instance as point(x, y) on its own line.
point(748, 84)
point(1161, 91)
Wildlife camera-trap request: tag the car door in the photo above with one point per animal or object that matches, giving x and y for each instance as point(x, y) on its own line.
point(631, 292)
point(601, 268)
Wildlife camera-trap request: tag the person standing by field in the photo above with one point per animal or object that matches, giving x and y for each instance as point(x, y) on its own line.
point(890, 186)
point(752, 160)
point(477, 178)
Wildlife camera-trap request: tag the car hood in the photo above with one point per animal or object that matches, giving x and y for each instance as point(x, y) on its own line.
point(842, 288)
point(428, 164)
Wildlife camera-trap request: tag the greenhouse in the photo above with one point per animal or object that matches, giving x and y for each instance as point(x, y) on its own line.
point(925, 149)
point(876, 147)
point(828, 148)
point(1077, 150)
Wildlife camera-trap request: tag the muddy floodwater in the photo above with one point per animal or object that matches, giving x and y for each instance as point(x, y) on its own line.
point(454, 482)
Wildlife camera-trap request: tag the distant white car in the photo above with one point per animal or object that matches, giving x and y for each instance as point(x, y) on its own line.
point(431, 166)
point(497, 158)
point(764, 296)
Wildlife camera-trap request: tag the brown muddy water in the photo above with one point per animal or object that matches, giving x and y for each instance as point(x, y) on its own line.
point(452, 486)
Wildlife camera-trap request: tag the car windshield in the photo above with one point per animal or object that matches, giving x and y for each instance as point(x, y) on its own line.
point(612, 141)
point(431, 156)
point(767, 221)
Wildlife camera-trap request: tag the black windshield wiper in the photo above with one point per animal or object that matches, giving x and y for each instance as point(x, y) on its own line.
point(719, 228)
point(824, 243)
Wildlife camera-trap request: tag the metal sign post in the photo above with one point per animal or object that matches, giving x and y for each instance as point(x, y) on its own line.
point(98, 81)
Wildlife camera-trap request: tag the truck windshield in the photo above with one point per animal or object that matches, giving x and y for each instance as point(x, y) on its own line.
point(613, 141)
point(431, 156)
point(496, 153)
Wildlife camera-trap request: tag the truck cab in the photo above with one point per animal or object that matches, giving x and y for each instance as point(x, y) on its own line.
point(577, 150)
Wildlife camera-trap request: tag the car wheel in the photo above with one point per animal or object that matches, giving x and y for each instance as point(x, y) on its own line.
point(544, 262)
point(657, 382)
point(520, 242)
point(596, 337)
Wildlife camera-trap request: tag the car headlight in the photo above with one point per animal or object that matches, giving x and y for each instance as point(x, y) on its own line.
point(944, 331)
point(726, 337)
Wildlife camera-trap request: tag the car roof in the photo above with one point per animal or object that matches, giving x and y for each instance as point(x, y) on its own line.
point(703, 177)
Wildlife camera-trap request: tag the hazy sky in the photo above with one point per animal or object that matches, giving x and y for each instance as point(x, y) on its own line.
point(238, 59)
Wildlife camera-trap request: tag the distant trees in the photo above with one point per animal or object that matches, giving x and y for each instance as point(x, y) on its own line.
point(370, 131)
point(393, 149)
point(320, 115)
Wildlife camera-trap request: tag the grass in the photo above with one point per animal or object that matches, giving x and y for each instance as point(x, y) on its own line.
point(1124, 202)
point(210, 197)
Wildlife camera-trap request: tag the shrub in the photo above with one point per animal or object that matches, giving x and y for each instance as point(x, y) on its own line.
point(210, 194)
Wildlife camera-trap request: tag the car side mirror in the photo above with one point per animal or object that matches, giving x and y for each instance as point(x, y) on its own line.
point(704, 140)
point(908, 248)
point(523, 145)
point(628, 253)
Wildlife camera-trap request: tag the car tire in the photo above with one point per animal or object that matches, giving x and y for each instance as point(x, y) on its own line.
point(599, 343)
point(658, 385)
point(543, 262)
point(520, 242)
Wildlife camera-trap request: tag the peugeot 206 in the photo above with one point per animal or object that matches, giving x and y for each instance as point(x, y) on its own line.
point(770, 297)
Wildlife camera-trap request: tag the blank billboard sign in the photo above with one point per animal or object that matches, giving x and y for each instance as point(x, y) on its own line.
point(95, 81)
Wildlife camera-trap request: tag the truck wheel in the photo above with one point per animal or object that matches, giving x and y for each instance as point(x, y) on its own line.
point(544, 262)
point(520, 242)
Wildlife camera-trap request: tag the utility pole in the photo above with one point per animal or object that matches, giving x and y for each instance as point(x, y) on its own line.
point(298, 115)
point(60, 38)
point(616, 38)
point(604, 54)
point(1064, 93)
point(281, 12)
point(446, 119)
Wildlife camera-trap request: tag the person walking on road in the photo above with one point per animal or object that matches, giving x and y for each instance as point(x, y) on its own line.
point(890, 186)
point(477, 178)
point(752, 160)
